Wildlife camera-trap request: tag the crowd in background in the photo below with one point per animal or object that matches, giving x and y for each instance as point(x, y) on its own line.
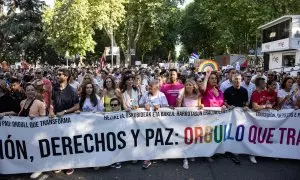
point(60, 91)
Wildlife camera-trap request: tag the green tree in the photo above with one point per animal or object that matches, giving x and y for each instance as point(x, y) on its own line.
point(144, 25)
point(70, 25)
point(218, 27)
point(21, 32)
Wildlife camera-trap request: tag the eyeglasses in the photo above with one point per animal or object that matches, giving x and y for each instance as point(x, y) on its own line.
point(59, 74)
point(114, 105)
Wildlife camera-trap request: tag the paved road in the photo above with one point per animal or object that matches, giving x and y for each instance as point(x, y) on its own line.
point(222, 168)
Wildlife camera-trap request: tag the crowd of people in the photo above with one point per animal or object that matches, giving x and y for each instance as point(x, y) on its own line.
point(60, 91)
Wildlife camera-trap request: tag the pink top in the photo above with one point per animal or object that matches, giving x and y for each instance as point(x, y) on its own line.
point(210, 100)
point(171, 92)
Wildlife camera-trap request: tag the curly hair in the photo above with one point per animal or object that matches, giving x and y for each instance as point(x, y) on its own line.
point(125, 78)
point(112, 80)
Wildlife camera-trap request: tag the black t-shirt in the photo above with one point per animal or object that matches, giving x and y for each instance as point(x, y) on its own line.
point(19, 96)
point(7, 104)
point(64, 99)
point(236, 97)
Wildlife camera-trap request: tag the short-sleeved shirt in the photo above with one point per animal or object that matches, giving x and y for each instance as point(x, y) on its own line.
point(271, 97)
point(236, 97)
point(159, 99)
point(89, 107)
point(210, 100)
point(8, 103)
point(225, 85)
point(64, 99)
point(171, 92)
point(259, 97)
point(250, 88)
point(288, 104)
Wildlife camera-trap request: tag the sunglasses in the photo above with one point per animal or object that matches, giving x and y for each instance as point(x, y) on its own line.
point(59, 74)
point(114, 105)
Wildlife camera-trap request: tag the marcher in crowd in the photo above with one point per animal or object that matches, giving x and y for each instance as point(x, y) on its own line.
point(89, 101)
point(130, 93)
point(172, 89)
point(189, 97)
point(64, 100)
point(286, 94)
point(32, 107)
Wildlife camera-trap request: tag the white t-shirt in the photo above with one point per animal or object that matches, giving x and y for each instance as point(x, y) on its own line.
point(132, 100)
point(158, 99)
point(288, 104)
point(250, 88)
point(226, 84)
point(88, 106)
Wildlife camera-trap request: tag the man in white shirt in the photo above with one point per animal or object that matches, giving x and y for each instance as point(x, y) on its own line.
point(228, 83)
point(247, 84)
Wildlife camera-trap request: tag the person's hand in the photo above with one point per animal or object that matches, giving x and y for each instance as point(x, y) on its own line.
point(2, 115)
point(51, 115)
point(156, 107)
point(223, 108)
point(201, 106)
point(31, 117)
point(263, 106)
point(60, 114)
point(172, 107)
point(77, 112)
point(147, 107)
point(296, 108)
point(245, 108)
point(208, 72)
point(231, 107)
point(127, 109)
point(269, 106)
point(287, 97)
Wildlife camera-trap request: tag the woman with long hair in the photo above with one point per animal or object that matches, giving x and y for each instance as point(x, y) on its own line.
point(286, 95)
point(87, 78)
point(109, 91)
point(32, 107)
point(212, 96)
point(130, 93)
point(189, 97)
point(89, 101)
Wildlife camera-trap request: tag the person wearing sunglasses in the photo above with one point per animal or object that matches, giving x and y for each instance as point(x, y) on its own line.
point(64, 100)
point(248, 85)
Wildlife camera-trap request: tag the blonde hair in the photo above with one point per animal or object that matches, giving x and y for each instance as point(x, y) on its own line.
point(196, 88)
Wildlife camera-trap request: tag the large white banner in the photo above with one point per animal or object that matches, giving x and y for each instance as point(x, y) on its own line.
point(90, 140)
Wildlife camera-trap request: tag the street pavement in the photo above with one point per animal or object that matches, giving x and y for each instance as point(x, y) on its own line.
point(221, 168)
